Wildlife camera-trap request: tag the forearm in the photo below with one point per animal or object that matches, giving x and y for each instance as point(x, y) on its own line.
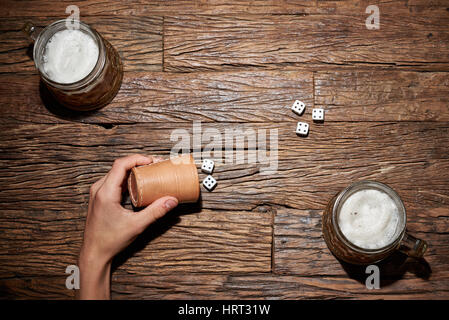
point(95, 278)
point(110, 228)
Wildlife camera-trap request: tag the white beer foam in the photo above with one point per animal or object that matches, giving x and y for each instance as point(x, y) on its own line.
point(369, 219)
point(70, 55)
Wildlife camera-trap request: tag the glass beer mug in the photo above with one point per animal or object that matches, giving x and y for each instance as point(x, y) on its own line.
point(366, 222)
point(92, 91)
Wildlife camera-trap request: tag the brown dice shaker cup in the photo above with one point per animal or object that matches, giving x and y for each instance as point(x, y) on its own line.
point(177, 177)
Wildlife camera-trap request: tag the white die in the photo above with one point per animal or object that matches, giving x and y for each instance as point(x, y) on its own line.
point(208, 166)
point(298, 107)
point(209, 183)
point(302, 129)
point(318, 114)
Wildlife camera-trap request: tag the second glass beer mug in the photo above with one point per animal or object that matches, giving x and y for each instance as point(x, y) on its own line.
point(366, 222)
point(81, 70)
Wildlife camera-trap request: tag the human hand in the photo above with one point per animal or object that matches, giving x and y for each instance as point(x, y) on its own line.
point(109, 227)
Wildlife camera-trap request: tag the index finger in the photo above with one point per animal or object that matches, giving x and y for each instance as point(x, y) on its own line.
point(120, 168)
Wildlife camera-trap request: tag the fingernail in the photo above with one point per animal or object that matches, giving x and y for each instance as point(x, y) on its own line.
point(170, 204)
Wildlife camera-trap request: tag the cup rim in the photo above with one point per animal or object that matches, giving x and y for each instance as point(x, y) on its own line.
point(383, 187)
point(91, 75)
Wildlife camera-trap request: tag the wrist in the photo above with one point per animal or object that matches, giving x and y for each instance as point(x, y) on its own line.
point(91, 259)
point(92, 253)
point(95, 276)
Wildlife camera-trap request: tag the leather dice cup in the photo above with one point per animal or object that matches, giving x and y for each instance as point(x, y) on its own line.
point(177, 177)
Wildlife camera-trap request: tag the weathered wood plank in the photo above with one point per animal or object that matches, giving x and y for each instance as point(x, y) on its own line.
point(20, 8)
point(193, 42)
point(300, 249)
point(52, 167)
point(243, 96)
point(137, 39)
point(271, 286)
point(249, 96)
point(37, 288)
point(159, 7)
point(45, 242)
point(380, 95)
point(402, 7)
point(231, 286)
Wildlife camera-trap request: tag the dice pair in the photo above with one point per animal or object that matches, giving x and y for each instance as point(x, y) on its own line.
point(302, 128)
point(208, 167)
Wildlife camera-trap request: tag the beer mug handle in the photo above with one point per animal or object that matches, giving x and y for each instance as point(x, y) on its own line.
point(413, 247)
point(31, 31)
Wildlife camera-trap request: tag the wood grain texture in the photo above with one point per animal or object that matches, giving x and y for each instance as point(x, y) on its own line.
point(48, 177)
point(159, 7)
point(248, 96)
point(44, 242)
point(230, 286)
point(271, 286)
point(20, 8)
point(380, 95)
point(234, 65)
point(35, 288)
point(54, 169)
point(195, 42)
point(138, 41)
point(243, 96)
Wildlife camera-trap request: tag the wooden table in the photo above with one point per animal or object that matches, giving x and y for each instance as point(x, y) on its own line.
point(233, 65)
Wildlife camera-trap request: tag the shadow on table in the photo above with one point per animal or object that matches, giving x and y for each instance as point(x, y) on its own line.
point(29, 51)
point(155, 230)
point(391, 269)
point(57, 109)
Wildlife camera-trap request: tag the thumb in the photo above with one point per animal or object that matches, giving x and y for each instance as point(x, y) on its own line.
point(156, 210)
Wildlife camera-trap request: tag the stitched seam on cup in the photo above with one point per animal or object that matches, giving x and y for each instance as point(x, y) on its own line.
point(133, 190)
point(139, 187)
point(194, 172)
